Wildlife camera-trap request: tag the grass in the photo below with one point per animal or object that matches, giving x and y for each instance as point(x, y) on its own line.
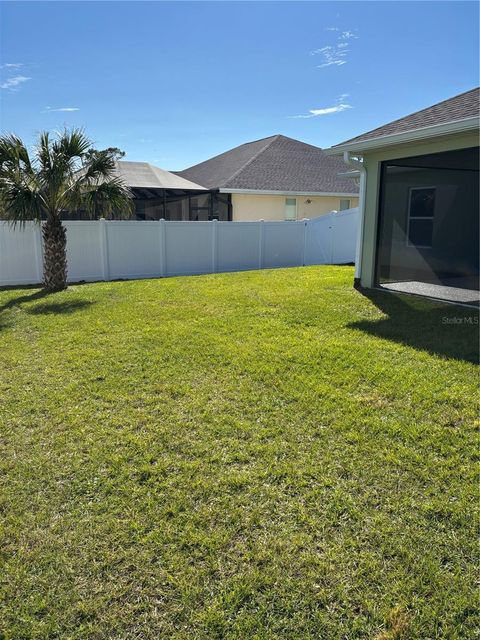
point(259, 455)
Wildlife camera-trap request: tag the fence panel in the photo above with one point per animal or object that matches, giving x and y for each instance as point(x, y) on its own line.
point(132, 249)
point(238, 246)
point(345, 236)
point(84, 251)
point(19, 254)
point(318, 244)
point(189, 247)
point(105, 250)
point(283, 244)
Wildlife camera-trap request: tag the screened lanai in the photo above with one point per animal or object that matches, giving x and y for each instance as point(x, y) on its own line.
point(428, 236)
point(161, 194)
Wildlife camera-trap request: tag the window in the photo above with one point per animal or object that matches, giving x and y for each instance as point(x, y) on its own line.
point(344, 204)
point(421, 207)
point(290, 208)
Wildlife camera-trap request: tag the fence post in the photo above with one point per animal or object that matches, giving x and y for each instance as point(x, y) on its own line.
point(214, 245)
point(261, 243)
point(332, 237)
point(163, 247)
point(305, 224)
point(102, 226)
point(38, 249)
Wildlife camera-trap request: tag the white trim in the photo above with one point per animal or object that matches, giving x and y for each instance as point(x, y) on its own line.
point(266, 192)
point(422, 133)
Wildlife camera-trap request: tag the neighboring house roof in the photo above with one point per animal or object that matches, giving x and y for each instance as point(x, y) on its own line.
point(458, 113)
point(273, 164)
point(147, 176)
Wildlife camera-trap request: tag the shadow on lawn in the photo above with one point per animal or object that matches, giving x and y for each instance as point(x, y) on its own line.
point(440, 329)
point(50, 307)
point(68, 306)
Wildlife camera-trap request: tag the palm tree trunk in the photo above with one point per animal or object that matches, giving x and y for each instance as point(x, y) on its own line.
point(54, 254)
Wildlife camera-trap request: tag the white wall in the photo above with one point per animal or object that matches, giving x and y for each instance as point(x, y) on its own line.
point(115, 249)
point(251, 206)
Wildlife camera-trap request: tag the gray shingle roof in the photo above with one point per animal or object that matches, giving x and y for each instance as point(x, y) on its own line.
point(465, 105)
point(276, 163)
point(143, 174)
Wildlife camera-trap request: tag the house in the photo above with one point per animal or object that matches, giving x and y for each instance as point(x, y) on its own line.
point(419, 201)
point(277, 178)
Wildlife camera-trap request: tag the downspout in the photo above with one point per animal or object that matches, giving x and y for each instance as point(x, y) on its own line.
point(357, 164)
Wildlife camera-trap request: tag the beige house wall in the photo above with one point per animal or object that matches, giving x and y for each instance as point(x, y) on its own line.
point(272, 207)
point(372, 162)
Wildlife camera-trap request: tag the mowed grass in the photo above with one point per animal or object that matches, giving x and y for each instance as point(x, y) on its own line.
point(239, 456)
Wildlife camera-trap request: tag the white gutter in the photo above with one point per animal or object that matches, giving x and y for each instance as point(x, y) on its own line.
point(349, 174)
point(457, 126)
point(354, 162)
point(264, 192)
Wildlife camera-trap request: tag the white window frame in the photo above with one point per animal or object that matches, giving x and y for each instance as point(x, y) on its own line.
point(296, 208)
point(410, 217)
point(345, 200)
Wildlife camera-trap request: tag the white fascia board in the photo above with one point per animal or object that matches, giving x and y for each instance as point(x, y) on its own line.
point(414, 135)
point(263, 192)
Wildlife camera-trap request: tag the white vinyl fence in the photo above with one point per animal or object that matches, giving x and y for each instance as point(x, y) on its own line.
point(115, 249)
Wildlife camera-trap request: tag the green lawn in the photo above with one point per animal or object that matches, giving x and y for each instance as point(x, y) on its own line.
point(257, 455)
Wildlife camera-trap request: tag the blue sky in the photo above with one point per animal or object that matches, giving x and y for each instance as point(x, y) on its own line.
point(176, 83)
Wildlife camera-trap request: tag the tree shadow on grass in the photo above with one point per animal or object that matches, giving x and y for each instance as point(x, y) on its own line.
point(51, 306)
point(441, 329)
point(37, 294)
point(68, 306)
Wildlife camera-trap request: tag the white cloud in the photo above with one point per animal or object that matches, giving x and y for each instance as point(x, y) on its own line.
point(341, 105)
point(12, 65)
point(48, 109)
point(14, 83)
point(346, 35)
point(335, 54)
point(332, 55)
point(325, 111)
point(333, 61)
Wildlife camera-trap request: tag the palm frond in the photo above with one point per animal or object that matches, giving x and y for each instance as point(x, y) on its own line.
point(99, 165)
point(71, 145)
point(13, 153)
point(60, 159)
point(43, 152)
point(21, 198)
point(105, 198)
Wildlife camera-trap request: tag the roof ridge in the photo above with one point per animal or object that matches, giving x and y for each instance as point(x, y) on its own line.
point(245, 144)
point(254, 157)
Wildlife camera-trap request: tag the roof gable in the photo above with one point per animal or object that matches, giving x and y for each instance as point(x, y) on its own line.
point(277, 163)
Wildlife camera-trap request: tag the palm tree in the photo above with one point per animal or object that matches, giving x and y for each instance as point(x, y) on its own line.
point(60, 174)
